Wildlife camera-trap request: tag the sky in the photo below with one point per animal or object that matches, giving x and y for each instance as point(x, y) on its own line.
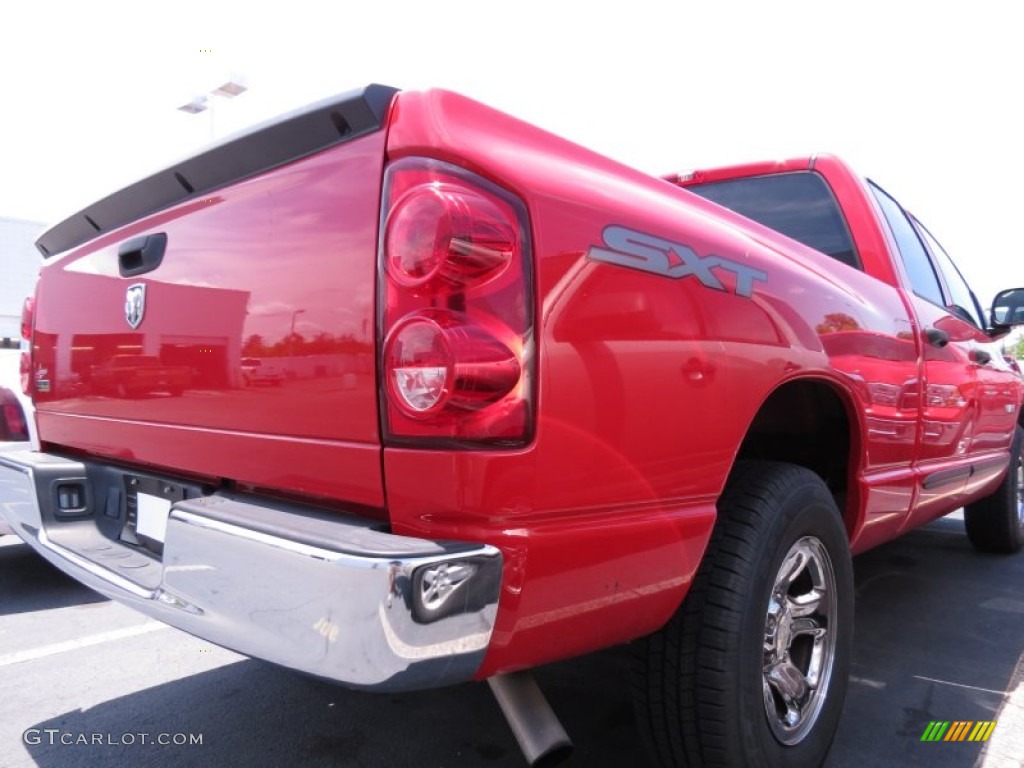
point(924, 98)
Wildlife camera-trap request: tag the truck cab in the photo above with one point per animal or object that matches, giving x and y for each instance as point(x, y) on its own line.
point(937, 390)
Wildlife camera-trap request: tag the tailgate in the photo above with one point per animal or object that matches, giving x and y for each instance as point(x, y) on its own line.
point(261, 249)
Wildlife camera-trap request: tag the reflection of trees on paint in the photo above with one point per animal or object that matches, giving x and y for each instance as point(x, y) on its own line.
point(837, 321)
point(296, 344)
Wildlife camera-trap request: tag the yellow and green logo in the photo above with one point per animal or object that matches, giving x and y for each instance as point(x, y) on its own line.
point(958, 730)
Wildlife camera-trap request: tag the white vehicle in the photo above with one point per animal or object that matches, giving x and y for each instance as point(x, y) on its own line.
point(10, 380)
point(259, 371)
point(17, 422)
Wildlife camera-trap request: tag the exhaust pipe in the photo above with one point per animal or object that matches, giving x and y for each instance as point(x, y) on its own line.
point(541, 737)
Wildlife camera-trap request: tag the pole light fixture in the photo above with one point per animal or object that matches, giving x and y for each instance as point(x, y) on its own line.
point(205, 102)
point(194, 107)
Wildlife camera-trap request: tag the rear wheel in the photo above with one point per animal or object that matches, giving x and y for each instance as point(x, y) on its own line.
point(752, 670)
point(996, 523)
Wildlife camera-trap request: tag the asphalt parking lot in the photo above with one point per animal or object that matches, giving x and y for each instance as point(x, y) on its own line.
point(940, 636)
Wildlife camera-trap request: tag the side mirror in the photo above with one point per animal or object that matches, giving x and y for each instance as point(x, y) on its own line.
point(1008, 308)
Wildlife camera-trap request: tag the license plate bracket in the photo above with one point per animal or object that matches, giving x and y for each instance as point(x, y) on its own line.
point(148, 505)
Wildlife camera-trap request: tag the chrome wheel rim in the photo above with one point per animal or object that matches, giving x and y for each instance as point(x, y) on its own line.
point(799, 640)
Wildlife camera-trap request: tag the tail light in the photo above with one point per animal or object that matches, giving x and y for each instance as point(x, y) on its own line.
point(456, 309)
point(25, 366)
point(13, 426)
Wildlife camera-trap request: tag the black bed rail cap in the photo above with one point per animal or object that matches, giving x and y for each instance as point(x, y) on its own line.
point(255, 150)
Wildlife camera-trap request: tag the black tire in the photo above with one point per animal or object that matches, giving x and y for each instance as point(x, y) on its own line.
point(996, 523)
point(701, 684)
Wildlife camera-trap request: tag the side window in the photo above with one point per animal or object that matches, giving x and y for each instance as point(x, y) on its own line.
point(800, 205)
point(923, 280)
point(964, 304)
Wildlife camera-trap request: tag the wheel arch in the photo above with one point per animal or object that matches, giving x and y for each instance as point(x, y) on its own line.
point(811, 422)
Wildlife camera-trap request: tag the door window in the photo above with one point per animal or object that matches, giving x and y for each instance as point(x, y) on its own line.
point(964, 304)
point(923, 280)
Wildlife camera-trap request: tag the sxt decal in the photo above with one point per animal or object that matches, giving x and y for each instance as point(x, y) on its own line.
point(638, 250)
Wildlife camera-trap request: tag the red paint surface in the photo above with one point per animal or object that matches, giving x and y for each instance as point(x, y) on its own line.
point(280, 267)
point(646, 385)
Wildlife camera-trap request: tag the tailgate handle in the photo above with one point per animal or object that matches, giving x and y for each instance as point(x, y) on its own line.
point(141, 254)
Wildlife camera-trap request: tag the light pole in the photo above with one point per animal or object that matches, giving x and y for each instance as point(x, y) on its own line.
point(205, 102)
point(291, 332)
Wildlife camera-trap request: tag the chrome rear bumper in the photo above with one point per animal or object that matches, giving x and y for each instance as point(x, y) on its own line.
point(323, 593)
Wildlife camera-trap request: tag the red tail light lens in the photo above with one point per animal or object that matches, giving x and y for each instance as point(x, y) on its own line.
point(25, 364)
point(420, 366)
point(456, 309)
point(437, 360)
point(13, 427)
point(442, 232)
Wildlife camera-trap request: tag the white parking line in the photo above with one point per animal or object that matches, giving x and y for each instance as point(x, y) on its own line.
point(1004, 604)
point(83, 642)
point(1004, 694)
point(876, 684)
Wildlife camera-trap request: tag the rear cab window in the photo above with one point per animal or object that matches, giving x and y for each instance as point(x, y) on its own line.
point(798, 204)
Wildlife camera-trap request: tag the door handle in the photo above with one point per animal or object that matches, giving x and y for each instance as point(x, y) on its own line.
point(936, 338)
point(141, 254)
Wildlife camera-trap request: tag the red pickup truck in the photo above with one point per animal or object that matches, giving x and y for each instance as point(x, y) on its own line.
point(127, 375)
point(538, 404)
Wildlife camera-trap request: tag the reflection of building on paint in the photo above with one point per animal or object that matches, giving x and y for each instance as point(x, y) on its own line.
point(20, 261)
point(188, 326)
